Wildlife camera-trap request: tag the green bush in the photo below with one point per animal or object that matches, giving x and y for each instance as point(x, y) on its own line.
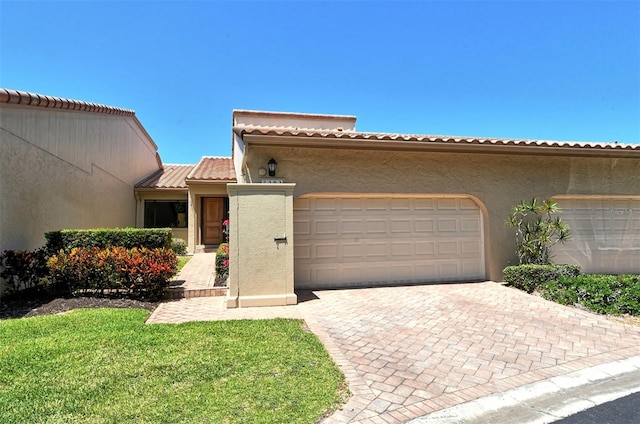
point(23, 270)
point(222, 262)
point(137, 272)
point(150, 238)
point(537, 231)
point(604, 294)
point(530, 277)
point(179, 246)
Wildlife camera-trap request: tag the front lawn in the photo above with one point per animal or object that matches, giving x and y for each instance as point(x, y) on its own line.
point(106, 365)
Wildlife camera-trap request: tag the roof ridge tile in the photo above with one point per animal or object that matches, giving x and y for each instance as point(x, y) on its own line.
point(39, 100)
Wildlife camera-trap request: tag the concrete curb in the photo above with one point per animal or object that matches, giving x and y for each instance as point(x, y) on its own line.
point(548, 400)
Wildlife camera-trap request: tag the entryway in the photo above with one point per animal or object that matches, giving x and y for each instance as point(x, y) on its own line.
point(213, 209)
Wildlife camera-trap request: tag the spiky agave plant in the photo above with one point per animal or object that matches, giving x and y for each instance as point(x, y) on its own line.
point(537, 231)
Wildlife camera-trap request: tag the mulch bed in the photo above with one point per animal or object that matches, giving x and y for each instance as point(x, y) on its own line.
point(31, 307)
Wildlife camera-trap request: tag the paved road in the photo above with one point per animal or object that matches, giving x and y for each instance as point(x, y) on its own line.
point(625, 410)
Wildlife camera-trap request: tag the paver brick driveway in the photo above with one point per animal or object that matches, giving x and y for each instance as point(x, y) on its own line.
point(409, 351)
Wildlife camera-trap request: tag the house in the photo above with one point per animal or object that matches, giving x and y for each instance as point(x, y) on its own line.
point(314, 203)
point(347, 208)
point(190, 199)
point(67, 164)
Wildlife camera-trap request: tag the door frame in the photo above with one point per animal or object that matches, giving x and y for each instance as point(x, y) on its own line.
point(224, 205)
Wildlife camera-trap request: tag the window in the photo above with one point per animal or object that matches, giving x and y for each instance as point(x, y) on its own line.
point(165, 213)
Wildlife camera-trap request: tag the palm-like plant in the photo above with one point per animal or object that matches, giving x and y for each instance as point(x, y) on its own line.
point(537, 231)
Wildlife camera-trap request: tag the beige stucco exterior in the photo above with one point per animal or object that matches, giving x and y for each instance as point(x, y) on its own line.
point(63, 168)
point(261, 245)
point(495, 181)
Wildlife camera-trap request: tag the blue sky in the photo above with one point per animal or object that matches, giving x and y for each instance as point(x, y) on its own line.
point(541, 70)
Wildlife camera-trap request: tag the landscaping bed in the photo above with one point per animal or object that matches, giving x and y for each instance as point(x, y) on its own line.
point(43, 305)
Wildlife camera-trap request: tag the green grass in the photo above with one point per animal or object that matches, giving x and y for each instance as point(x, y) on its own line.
point(182, 261)
point(107, 366)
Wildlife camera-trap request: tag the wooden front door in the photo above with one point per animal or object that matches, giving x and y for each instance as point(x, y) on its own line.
point(212, 213)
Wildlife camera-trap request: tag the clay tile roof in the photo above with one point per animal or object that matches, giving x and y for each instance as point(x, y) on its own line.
point(39, 100)
point(171, 177)
point(213, 169)
point(433, 139)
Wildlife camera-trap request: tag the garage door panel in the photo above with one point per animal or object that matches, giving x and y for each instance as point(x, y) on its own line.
point(470, 247)
point(400, 204)
point(605, 234)
point(447, 204)
point(302, 250)
point(401, 226)
point(401, 249)
point(352, 226)
point(425, 248)
point(376, 249)
point(302, 227)
point(326, 251)
point(424, 204)
point(376, 205)
point(470, 225)
point(468, 204)
point(346, 241)
point(352, 251)
point(351, 205)
point(424, 225)
point(448, 225)
point(376, 226)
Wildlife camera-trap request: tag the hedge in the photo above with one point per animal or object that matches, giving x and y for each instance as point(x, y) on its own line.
point(138, 272)
point(604, 294)
point(150, 238)
point(530, 277)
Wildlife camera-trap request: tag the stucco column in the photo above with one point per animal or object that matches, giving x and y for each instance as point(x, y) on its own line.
point(261, 245)
point(192, 230)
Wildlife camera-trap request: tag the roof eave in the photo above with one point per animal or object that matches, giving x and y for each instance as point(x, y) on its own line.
point(155, 189)
point(462, 146)
point(199, 181)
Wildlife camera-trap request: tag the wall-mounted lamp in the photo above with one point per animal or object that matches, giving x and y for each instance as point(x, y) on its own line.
point(272, 164)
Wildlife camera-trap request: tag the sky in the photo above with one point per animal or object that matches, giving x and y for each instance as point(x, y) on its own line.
point(552, 70)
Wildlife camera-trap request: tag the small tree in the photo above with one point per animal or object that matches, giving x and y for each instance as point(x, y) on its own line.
point(537, 231)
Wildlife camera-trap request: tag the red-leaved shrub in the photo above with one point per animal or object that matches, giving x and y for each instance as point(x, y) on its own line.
point(139, 272)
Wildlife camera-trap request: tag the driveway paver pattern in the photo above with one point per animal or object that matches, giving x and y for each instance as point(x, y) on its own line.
point(409, 351)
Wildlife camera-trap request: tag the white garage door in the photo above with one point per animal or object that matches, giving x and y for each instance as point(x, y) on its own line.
point(344, 241)
point(606, 234)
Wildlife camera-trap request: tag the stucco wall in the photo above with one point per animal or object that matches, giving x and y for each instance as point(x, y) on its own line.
point(497, 181)
point(261, 268)
point(68, 169)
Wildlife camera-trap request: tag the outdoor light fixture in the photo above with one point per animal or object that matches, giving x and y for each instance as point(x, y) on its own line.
point(272, 167)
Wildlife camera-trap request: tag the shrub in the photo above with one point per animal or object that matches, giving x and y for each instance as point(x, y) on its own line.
point(530, 277)
point(537, 231)
point(222, 262)
point(138, 272)
point(150, 238)
point(23, 270)
point(179, 246)
point(604, 294)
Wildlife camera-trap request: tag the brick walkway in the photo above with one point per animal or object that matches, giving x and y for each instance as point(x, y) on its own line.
point(409, 351)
